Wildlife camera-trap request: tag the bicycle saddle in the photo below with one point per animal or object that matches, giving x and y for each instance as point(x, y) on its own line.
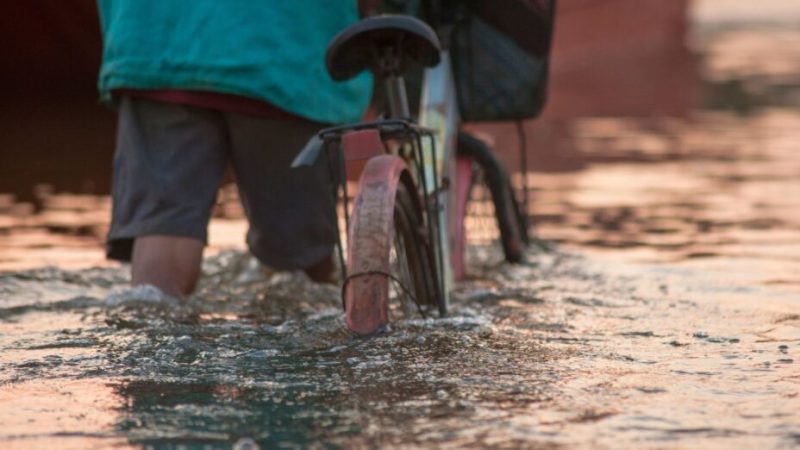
point(365, 44)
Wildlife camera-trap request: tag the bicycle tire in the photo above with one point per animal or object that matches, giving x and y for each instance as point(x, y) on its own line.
point(511, 222)
point(377, 286)
point(409, 228)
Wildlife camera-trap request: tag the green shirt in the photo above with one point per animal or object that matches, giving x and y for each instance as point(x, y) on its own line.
point(271, 50)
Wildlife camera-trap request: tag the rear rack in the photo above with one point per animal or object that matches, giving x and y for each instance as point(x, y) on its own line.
point(404, 131)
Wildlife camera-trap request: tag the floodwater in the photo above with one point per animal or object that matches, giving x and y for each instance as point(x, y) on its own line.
point(666, 313)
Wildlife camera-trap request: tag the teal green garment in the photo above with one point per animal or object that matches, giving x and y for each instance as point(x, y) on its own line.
point(271, 50)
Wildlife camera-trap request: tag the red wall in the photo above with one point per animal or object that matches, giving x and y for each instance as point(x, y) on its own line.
point(621, 57)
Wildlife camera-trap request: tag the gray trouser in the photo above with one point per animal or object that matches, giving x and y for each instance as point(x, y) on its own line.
point(169, 163)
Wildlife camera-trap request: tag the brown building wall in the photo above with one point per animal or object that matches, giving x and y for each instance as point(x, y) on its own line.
point(621, 57)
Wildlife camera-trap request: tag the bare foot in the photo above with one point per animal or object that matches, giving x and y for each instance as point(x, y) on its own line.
point(323, 271)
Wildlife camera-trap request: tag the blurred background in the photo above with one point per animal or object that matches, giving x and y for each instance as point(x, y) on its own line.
point(670, 136)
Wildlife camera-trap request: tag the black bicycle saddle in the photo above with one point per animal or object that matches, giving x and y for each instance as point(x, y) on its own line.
point(361, 45)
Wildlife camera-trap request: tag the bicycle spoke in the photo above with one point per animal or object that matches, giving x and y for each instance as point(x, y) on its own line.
point(401, 303)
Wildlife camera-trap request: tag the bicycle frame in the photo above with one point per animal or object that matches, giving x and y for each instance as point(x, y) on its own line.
point(423, 159)
point(439, 112)
point(432, 139)
point(396, 158)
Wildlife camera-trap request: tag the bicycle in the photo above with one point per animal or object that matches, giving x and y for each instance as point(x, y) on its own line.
point(405, 235)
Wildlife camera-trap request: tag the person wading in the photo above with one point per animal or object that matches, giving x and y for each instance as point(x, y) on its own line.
point(202, 84)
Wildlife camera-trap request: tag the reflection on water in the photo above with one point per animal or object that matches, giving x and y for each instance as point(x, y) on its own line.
point(697, 347)
point(721, 193)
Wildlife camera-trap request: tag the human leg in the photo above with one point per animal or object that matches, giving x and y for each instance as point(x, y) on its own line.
point(167, 169)
point(171, 263)
point(291, 211)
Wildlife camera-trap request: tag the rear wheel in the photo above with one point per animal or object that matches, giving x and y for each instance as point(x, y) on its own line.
point(414, 286)
point(391, 269)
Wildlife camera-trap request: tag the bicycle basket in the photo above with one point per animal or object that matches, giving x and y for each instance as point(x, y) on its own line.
point(500, 55)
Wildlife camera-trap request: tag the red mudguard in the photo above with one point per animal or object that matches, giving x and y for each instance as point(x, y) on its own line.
point(368, 245)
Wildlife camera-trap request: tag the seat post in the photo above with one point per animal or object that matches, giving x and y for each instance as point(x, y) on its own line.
point(388, 46)
point(396, 95)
